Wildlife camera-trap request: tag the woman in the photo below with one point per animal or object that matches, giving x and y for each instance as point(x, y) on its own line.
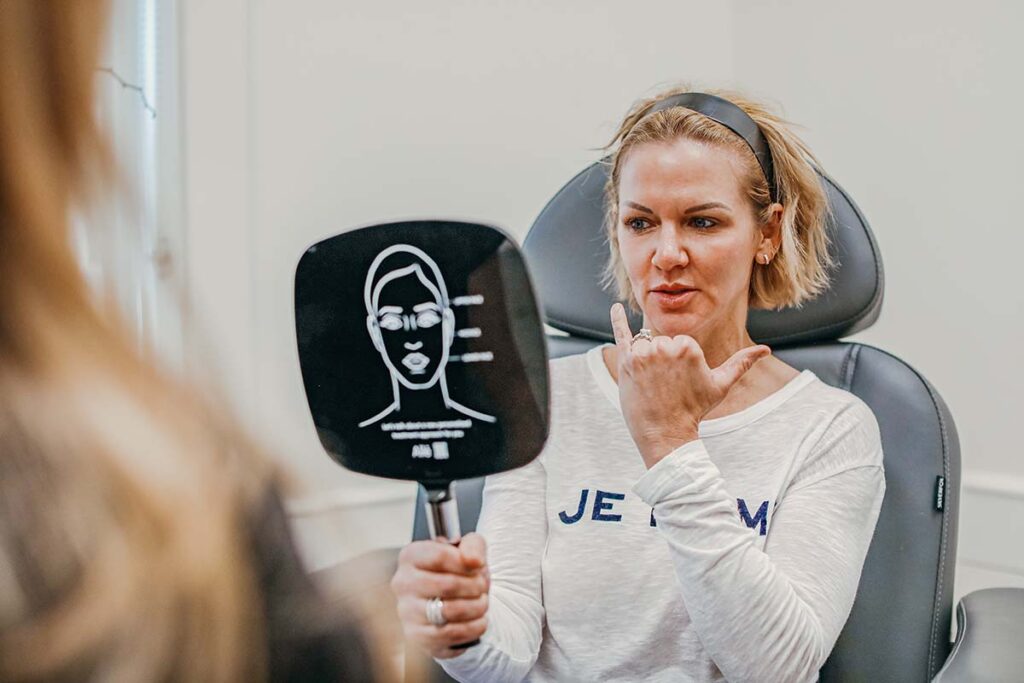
point(142, 536)
point(702, 510)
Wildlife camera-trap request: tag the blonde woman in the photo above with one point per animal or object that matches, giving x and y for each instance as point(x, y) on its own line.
point(141, 533)
point(702, 510)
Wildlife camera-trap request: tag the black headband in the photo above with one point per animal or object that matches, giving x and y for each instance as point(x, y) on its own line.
point(735, 119)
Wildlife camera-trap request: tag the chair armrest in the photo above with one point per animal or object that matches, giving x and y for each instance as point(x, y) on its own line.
point(988, 643)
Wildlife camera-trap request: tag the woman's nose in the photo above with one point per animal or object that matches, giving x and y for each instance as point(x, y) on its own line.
point(670, 251)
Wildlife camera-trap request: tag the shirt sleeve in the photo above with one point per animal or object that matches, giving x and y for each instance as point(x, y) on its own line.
point(772, 614)
point(513, 522)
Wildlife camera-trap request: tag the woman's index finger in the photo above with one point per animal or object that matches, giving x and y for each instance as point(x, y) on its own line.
point(620, 327)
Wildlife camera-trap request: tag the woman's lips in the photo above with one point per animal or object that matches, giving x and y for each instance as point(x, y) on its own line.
point(673, 298)
point(416, 362)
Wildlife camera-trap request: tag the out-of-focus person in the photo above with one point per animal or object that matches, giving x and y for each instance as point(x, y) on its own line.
point(142, 535)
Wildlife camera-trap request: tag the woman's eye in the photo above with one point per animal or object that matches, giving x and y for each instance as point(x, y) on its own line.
point(391, 322)
point(703, 223)
point(427, 319)
point(637, 224)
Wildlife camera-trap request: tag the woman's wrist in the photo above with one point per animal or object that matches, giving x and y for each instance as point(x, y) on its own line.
point(655, 450)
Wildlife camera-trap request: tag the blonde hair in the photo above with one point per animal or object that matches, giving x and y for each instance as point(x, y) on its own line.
point(799, 271)
point(127, 499)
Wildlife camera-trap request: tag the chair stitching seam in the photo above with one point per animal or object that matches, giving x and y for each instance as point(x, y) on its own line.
point(942, 549)
point(943, 544)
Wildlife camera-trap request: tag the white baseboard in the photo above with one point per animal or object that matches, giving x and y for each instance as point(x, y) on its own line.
point(329, 502)
point(336, 525)
point(990, 549)
point(341, 533)
point(994, 483)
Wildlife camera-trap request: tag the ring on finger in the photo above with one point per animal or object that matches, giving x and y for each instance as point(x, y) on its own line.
point(644, 333)
point(435, 612)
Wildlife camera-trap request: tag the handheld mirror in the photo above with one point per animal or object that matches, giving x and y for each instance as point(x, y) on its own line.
point(423, 356)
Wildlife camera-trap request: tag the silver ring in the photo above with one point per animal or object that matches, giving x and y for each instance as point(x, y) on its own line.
point(644, 333)
point(435, 612)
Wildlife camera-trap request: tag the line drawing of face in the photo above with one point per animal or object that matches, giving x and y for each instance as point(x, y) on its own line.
point(412, 325)
point(415, 337)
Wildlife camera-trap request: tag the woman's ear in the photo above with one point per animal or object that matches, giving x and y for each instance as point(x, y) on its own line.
point(771, 230)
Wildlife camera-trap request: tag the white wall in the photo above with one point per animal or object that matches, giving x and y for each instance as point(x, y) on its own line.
point(306, 118)
point(915, 109)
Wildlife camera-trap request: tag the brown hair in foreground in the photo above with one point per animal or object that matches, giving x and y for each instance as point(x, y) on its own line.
point(127, 500)
point(799, 270)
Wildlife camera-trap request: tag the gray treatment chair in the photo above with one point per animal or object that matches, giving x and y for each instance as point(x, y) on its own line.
point(899, 627)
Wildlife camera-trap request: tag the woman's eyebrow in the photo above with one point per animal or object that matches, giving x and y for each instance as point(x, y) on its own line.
point(705, 207)
point(389, 309)
point(639, 207)
point(421, 307)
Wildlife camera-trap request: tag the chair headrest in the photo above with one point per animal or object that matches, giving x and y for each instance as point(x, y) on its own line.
point(567, 250)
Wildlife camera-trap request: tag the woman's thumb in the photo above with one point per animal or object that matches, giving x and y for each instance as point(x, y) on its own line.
point(729, 372)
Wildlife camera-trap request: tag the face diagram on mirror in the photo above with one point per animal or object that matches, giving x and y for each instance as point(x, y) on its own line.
point(422, 350)
point(410, 321)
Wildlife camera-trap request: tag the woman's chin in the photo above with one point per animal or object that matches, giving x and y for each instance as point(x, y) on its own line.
point(675, 324)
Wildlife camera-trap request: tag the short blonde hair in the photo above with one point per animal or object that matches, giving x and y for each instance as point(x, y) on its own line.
point(799, 270)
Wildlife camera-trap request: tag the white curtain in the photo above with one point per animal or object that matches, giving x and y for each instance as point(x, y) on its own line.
point(130, 240)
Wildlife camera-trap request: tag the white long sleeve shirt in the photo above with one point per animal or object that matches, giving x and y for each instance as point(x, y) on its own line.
point(737, 556)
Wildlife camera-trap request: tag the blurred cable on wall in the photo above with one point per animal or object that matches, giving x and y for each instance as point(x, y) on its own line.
point(130, 239)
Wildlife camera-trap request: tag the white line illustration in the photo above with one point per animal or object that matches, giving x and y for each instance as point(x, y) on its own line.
point(410, 320)
point(478, 357)
point(468, 300)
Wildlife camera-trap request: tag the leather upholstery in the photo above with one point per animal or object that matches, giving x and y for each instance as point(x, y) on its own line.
point(988, 642)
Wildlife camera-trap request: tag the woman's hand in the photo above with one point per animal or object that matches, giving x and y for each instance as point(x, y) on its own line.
point(666, 386)
point(456, 574)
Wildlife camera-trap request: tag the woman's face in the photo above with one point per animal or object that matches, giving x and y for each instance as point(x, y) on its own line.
point(412, 328)
point(688, 237)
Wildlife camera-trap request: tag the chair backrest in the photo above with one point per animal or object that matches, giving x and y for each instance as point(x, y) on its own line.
point(899, 626)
